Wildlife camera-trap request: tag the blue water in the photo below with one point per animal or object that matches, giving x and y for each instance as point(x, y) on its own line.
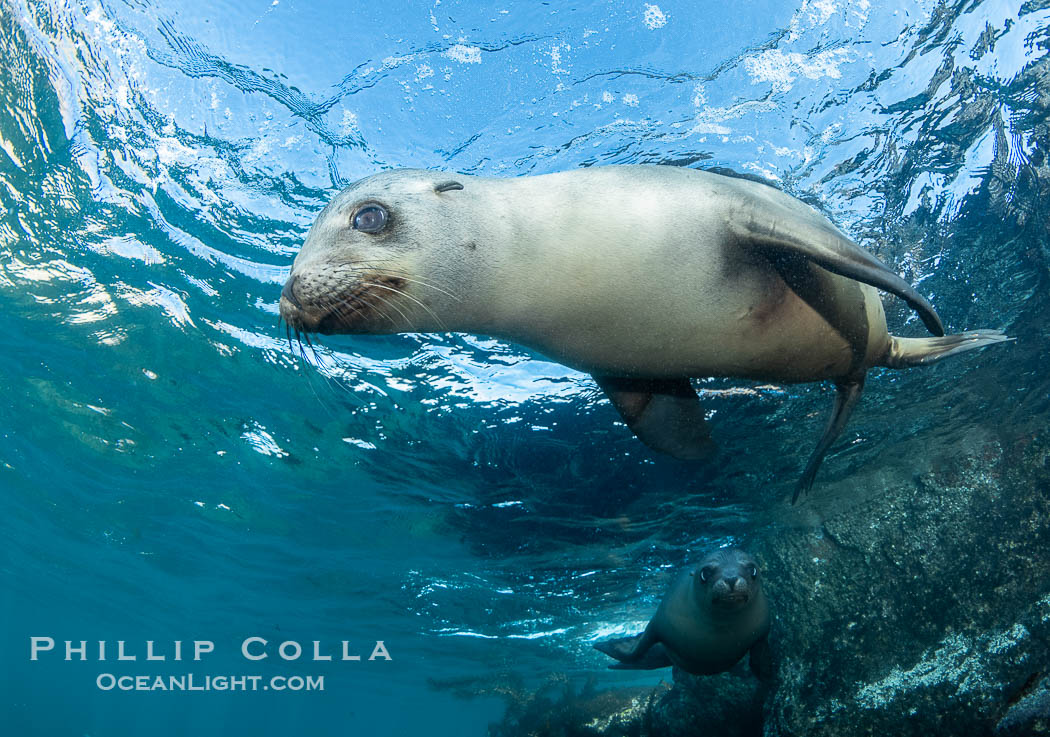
point(172, 470)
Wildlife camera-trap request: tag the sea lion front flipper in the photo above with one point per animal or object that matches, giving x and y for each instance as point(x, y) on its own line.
point(773, 220)
point(628, 649)
point(665, 414)
point(621, 648)
point(654, 658)
point(846, 397)
point(637, 652)
point(761, 660)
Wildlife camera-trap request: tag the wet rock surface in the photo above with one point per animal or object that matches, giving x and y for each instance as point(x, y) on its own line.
point(918, 607)
point(729, 705)
point(923, 609)
point(1030, 715)
point(726, 705)
point(557, 709)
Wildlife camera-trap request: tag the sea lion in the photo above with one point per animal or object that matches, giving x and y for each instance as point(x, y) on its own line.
point(712, 615)
point(642, 276)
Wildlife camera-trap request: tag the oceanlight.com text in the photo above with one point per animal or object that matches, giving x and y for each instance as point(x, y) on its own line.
point(192, 682)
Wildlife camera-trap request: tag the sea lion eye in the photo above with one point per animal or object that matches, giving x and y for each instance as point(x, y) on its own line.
point(705, 574)
point(754, 571)
point(370, 219)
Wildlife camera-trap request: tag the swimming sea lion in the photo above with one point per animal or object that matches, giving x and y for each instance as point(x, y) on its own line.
point(712, 615)
point(642, 276)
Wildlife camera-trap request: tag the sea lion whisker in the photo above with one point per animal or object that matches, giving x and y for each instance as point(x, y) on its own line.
point(337, 384)
point(428, 285)
point(319, 363)
point(381, 269)
point(344, 309)
point(302, 349)
point(385, 301)
point(313, 349)
point(403, 275)
point(346, 302)
point(333, 383)
point(388, 266)
point(309, 378)
point(408, 296)
point(336, 306)
point(372, 305)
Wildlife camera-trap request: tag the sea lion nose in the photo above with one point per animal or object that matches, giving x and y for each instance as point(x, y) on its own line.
point(732, 581)
point(289, 291)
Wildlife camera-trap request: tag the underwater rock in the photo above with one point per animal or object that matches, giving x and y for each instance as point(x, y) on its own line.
point(916, 604)
point(727, 705)
point(923, 609)
point(911, 598)
point(1030, 715)
point(556, 709)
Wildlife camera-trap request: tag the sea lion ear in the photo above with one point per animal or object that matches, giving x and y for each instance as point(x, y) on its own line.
point(447, 186)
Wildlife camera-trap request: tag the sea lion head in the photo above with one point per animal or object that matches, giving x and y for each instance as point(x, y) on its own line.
point(727, 580)
point(379, 257)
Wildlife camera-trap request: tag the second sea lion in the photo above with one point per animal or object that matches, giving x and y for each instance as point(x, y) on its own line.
point(713, 615)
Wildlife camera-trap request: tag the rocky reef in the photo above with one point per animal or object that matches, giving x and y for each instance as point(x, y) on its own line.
point(924, 608)
point(919, 605)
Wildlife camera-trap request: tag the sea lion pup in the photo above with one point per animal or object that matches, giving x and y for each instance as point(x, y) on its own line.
point(712, 615)
point(642, 276)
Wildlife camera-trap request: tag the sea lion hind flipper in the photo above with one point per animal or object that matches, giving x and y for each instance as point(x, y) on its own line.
point(908, 352)
point(665, 414)
point(847, 395)
point(774, 221)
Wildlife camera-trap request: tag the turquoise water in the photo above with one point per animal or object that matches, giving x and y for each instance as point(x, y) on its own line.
point(173, 470)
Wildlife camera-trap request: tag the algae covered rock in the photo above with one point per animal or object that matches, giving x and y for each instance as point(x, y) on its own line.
point(726, 705)
point(923, 609)
point(917, 605)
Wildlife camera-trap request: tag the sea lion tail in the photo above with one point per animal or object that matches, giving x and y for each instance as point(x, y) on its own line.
point(907, 352)
point(847, 394)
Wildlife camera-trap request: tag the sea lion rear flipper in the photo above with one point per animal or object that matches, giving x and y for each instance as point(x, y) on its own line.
point(774, 221)
point(665, 414)
point(907, 352)
point(846, 397)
